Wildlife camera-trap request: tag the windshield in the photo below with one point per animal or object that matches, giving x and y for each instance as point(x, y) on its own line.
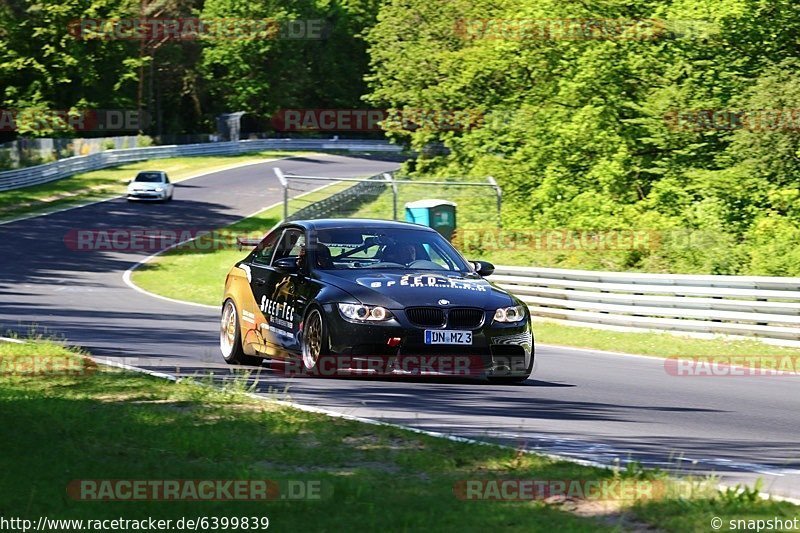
point(395, 249)
point(149, 177)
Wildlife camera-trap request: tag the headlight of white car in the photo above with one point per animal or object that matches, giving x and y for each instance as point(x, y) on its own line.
point(364, 313)
point(510, 314)
point(159, 189)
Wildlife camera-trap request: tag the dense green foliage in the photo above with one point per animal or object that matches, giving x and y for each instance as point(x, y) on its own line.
point(183, 83)
point(581, 132)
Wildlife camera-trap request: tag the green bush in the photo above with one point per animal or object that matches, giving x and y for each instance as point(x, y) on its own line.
point(144, 141)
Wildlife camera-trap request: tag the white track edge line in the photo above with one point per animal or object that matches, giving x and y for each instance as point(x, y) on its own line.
point(127, 279)
point(126, 276)
point(435, 434)
point(78, 206)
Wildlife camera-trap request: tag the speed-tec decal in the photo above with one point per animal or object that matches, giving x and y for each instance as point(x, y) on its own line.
point(425, 280)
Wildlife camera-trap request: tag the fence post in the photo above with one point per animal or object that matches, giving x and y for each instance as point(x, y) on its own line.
point(285, 184)
point(388, 177)
point(499, 193)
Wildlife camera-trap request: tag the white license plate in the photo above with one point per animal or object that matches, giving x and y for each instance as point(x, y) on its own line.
point(437, 336)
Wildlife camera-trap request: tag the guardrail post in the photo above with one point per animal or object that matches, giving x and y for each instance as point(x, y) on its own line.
point(388, 177)
point(285, 184)
point(499, 193)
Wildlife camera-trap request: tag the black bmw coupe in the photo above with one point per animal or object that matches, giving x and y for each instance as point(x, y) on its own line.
point(371, 297)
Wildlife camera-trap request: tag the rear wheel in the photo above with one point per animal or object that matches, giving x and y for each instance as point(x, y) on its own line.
point(230, 339)
point(315, 340)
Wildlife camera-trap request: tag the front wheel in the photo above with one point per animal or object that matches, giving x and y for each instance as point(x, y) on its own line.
point(230, 339)
point(315, 340)
point(511, 380)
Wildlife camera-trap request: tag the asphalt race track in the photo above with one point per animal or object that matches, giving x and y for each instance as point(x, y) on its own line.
point(583, 404)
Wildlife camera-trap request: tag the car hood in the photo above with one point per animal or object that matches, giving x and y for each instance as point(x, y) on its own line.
point(396, 290)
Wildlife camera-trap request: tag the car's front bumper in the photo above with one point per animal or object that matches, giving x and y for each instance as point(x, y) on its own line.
point(497, 350)
point(147, 195)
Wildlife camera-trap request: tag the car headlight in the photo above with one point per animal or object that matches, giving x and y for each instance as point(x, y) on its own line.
point(510, 314)
point(364, 313)
point(159, 189)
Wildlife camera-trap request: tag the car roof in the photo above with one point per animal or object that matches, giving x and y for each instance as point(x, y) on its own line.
point(372, 223)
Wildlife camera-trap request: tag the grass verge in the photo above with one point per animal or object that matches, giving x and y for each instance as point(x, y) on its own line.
point(110, 424)
point(198, 275)
point(101, 184)
point(195, 272)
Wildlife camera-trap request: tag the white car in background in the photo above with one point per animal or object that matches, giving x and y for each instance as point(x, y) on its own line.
point(150, 185)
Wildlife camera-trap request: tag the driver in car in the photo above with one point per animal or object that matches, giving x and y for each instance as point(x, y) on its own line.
point(402, 253)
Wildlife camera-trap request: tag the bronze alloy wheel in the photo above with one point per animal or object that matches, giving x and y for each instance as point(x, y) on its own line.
point(227, 330)
point(312, 339)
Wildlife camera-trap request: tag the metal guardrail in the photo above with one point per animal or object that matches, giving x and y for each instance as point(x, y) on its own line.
point(371, 191)
point(755, 306)
point(751, 306)
point(365, 190)
point(25, 177)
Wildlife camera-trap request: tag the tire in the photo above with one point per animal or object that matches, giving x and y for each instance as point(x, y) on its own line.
point(230, 338)
point(511, 380)
point(315, 340)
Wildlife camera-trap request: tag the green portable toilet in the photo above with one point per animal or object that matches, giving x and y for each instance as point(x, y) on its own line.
point(437, 214)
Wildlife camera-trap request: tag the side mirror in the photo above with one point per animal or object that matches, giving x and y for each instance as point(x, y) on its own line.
point(287, 265)
point(483, 268)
